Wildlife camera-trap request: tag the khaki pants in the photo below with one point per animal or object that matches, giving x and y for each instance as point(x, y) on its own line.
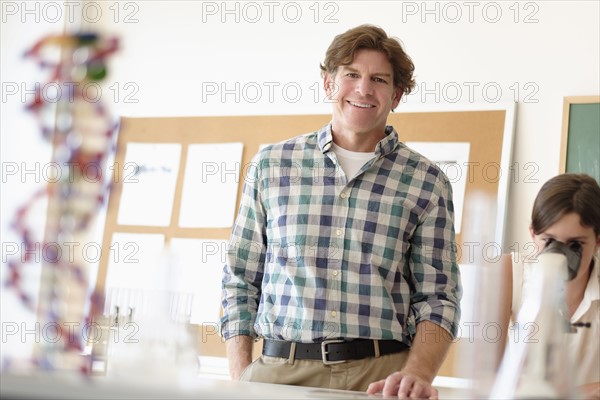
point(350, 375)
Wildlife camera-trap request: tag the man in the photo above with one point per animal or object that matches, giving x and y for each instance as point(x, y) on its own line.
point(342, 256)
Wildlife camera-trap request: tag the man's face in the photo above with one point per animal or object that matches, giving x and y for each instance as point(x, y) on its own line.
point(363, 94)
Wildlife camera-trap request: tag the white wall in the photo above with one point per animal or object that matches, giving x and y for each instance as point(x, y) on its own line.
point(551, 51)
point(173, 52)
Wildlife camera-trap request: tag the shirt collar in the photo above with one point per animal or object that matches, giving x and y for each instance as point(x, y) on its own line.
point(592, 292)
point(384, 147)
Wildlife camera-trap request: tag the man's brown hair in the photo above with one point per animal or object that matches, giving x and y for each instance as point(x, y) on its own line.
point(342, 48)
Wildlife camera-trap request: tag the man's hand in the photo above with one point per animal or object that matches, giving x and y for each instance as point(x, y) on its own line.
point(428, 350)
point(239, 353)
point(591, 391)
point(403, 385)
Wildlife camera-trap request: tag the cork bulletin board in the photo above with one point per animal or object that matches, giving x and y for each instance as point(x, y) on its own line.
point(486, 130)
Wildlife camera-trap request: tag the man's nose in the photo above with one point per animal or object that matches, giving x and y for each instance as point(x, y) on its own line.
point(364, 87)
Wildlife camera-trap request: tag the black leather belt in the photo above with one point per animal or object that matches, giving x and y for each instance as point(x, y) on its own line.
point(333, 351)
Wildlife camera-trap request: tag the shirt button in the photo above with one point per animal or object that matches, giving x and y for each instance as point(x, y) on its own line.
point(333, 314)
point(335, 273)
point(338, 232)
point(343, 195)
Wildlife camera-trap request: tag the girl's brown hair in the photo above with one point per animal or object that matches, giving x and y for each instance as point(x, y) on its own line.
point(564, 194)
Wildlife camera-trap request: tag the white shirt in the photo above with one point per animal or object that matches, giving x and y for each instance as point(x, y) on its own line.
point(584, 344)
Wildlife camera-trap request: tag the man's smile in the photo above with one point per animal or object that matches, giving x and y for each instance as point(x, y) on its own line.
point(360, 105)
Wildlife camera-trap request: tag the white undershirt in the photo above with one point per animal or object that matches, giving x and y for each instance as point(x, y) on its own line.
point(351, 161)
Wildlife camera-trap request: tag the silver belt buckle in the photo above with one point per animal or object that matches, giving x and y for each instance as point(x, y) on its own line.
point(324, 351)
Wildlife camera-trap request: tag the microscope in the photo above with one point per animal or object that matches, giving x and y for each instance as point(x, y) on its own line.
point(537, 366)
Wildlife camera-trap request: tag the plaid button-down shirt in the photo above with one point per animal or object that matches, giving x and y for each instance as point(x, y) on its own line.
point(316, 256)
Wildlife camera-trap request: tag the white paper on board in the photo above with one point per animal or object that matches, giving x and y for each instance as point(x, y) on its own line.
point(210, 185)
point(197, 268)
point(133, 270)
point(149, 179)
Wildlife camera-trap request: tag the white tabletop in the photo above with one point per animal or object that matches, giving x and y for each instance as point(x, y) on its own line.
point(72, 386)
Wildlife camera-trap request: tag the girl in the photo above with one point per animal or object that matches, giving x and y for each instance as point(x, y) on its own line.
point(567, 209)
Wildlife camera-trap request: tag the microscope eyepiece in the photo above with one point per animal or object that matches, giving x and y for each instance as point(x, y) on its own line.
point(572, 252)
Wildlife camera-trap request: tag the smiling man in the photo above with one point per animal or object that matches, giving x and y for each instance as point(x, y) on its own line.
point(347, 268)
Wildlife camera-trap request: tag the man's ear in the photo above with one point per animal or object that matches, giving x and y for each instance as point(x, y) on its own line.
point(398, 92)
point(329, 84)
point(397, 95)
